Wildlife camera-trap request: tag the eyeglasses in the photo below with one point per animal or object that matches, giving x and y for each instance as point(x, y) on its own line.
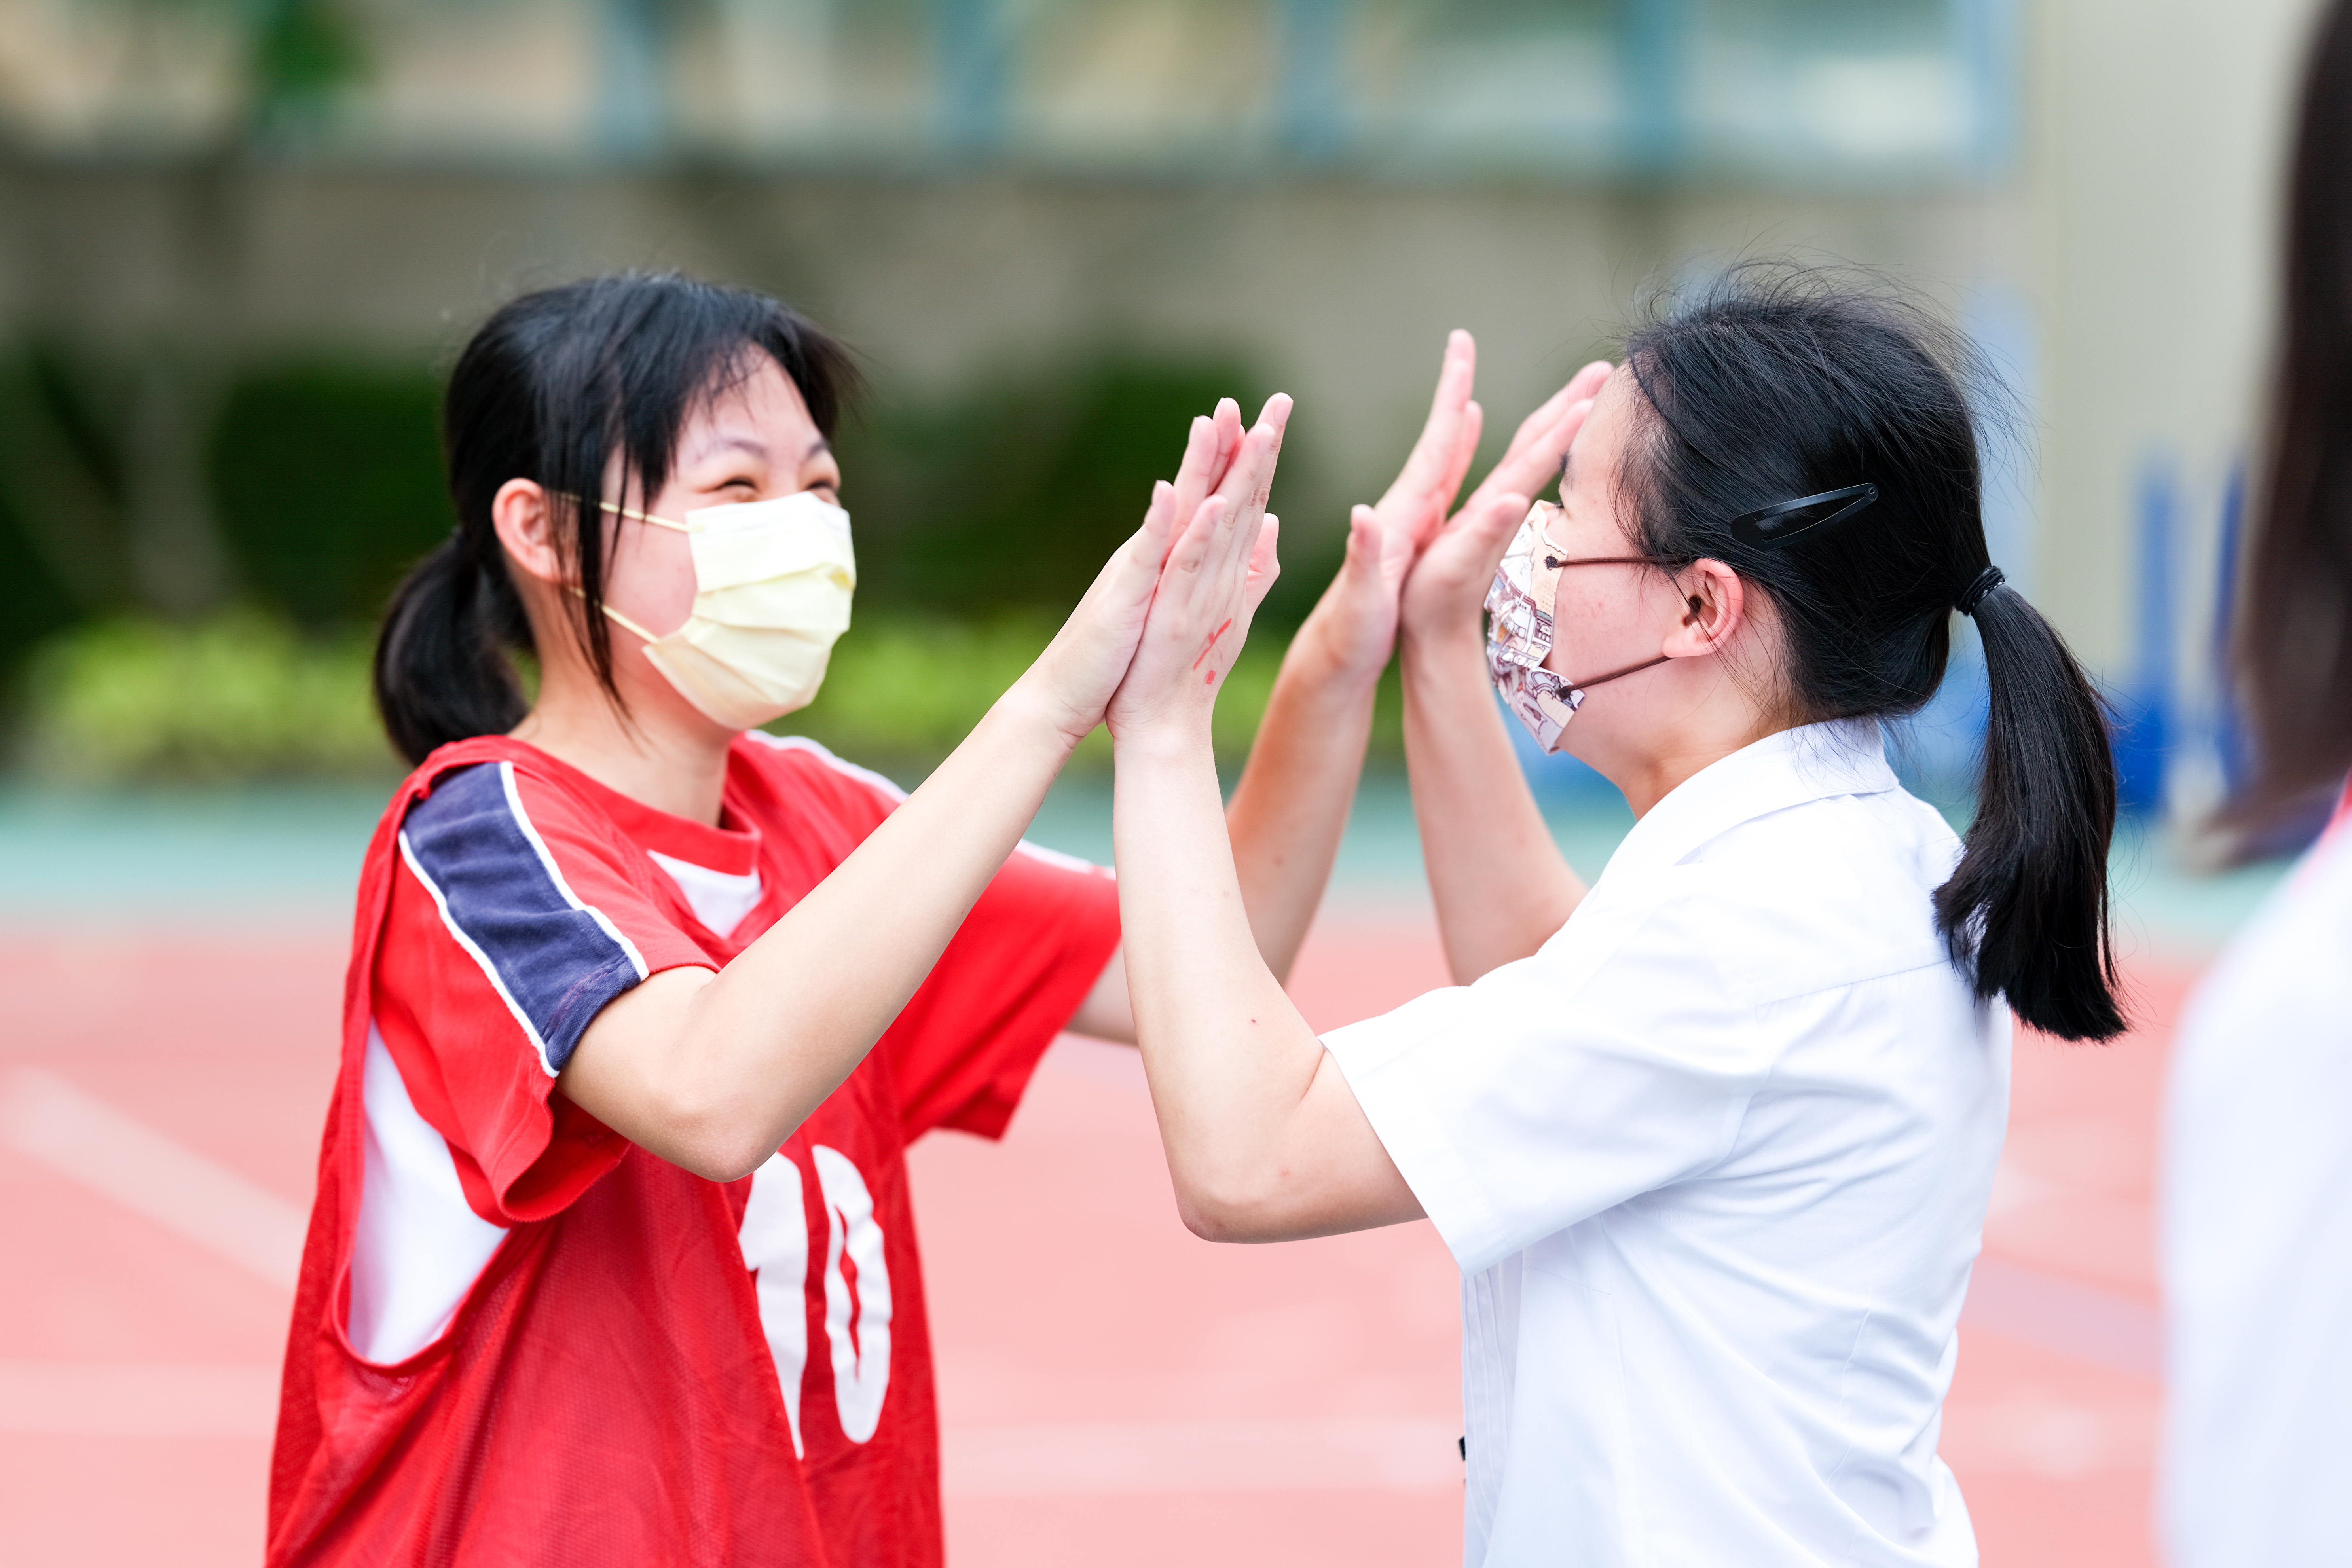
point(1526, 587)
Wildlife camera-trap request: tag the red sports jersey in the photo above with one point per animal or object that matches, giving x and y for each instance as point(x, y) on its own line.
point(517, 1337)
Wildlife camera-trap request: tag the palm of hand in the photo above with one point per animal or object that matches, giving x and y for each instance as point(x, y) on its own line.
point(1448, 580)
point(1217, 569)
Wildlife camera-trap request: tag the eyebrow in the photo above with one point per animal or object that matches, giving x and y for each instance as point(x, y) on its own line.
point(754, 445)
point(1565, 459)
point(751, 443)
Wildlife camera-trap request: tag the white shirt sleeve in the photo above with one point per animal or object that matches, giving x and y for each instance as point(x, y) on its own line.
point(1613, 1062)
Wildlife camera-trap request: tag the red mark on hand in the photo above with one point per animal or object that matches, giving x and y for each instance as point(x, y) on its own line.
point(1213, 641)
point(1210, 679)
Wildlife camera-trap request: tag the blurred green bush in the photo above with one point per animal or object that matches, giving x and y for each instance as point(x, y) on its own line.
point(981, 515)
point(327, 482)
point(248, 694)
point(242, 695)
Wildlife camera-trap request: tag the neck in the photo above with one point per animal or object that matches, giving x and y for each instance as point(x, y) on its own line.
point(652, 755)
point(1708, 732)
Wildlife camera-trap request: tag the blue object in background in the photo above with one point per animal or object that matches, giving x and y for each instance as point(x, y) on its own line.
point(974, 65)
point(1655, 43)
point(1935, 751)
point(1312, 115)
point(2147, 712)
point(2229, 742)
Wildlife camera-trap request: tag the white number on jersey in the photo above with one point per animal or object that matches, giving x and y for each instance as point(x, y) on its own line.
point(775, 1239)
point(775, 1247)
point(856, 1294)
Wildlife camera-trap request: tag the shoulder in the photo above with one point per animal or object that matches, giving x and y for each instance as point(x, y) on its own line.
point(477, 807)
point(2279, 998)
point(1831, 893)
point(805, 776)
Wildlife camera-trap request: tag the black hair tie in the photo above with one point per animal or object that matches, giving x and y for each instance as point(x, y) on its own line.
point(1973, 595)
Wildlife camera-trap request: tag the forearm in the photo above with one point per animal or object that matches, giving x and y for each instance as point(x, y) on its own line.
point(1500, 883)
point(1229, 1056)
point(1291, 806)
point(737, 1062)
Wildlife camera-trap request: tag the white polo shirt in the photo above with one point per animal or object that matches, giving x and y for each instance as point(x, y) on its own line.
point(1715, 1164)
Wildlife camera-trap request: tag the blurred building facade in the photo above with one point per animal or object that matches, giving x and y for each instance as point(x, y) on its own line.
point(969, 188)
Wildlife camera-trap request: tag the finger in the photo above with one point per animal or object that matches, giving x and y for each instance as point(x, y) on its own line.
point(1490, 528)
point(1583, 386)
point(1433, 448)
point(1251, 478)
point(1536, 467)
point(1135, 565)
point(1364, 541)
point(1199, 472)
point(1261, 559)
point(1228, 422)
point(1190, 557)
point(1466, 447)
point(1159, 526)
point(1247, 489)
point(1266, 564)
point(1455, 371)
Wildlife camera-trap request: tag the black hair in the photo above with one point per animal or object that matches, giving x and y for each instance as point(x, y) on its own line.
point(554, 388)
point(2292, 636)
point(1772, 384)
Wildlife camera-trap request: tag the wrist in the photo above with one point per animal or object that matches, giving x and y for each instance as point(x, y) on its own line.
point(1165, 740)
point(1448, 637)
point(1031, 705)
point(1324, 657)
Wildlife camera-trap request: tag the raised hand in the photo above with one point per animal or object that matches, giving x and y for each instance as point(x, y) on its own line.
point(1449, 580)
point(1084, 662)
point(1354, 624)
point(1217, 573)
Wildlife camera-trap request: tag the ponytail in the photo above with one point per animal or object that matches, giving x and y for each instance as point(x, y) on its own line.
point(441, 668)
point(2028, 905)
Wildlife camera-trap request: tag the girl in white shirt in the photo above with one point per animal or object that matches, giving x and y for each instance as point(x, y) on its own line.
point(2257, 1211)
point(1711, 1141)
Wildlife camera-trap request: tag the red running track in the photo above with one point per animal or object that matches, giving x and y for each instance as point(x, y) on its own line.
point(1105, 1377)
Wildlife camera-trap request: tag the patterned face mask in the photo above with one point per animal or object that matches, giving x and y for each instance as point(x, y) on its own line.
point(1519, 630)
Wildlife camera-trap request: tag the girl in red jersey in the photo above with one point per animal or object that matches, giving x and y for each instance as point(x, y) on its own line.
point(612, 1258)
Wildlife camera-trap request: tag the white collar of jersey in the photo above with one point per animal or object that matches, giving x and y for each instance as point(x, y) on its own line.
point(1812, 762)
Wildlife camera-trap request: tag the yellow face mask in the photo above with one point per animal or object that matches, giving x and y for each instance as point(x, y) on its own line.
point(773, 580)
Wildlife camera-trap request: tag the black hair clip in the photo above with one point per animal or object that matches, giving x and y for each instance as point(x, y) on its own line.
point(1781, 524)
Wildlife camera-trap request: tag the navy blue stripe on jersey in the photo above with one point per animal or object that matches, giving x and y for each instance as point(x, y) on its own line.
point(553, 960)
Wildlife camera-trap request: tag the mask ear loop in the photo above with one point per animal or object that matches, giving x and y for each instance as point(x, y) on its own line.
point(645, 517)
point(617, 618)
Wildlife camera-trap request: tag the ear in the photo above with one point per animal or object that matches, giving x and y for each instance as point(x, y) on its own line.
point(1713, 607)
point(526, 526)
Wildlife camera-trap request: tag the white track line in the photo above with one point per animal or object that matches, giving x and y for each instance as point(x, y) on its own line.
point(45, 1118)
